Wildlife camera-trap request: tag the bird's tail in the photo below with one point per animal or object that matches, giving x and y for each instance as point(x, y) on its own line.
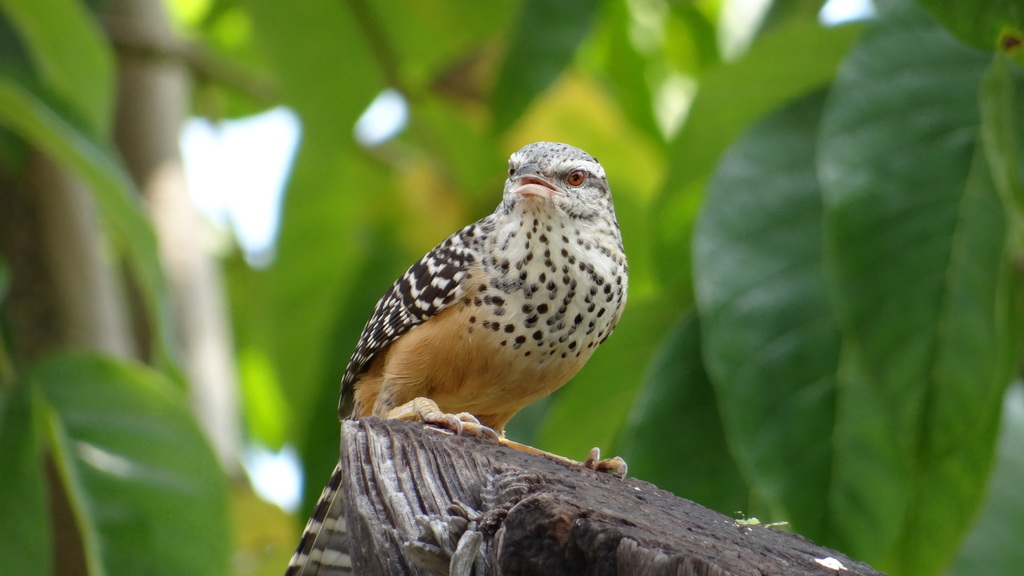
point(324, 547)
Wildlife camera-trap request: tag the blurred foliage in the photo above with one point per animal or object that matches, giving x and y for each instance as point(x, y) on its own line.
point(824, 229)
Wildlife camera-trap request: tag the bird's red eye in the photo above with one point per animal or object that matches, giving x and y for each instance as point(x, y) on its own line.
point(576, 177)
point(511, 171)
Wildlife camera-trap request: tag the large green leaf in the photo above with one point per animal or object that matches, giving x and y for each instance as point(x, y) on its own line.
point(544, 40)
point(1001, 127)
point(38, 121)
point(784, 64)
point(770, 342)
point(674, 435)
point(70, 55)
point(915, 246)
point(146, 488)
point(982, 23)
point(871, 477)
point(26, 546)
point(993, 545)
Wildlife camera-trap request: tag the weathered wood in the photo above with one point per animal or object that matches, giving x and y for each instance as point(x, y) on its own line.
point(424, 501)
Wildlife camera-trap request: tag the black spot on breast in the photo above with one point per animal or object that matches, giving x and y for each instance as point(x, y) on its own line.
point(509, 328)
point(542, 308)
point(538, 335)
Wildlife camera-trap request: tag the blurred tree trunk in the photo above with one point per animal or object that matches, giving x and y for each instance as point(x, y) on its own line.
point(153, 101)
point(64, 292)
point(66, 288)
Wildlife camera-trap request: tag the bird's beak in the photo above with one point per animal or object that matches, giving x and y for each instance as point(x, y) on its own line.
point(529, 183)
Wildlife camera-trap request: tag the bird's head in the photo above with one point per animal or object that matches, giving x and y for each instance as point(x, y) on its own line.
point(549, 175)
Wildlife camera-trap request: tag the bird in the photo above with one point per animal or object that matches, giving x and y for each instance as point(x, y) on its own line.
point(499, 314)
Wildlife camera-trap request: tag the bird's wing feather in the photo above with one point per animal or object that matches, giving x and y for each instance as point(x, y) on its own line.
point(432, 284)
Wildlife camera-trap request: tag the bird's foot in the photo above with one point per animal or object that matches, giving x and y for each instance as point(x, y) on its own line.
point(427, 411)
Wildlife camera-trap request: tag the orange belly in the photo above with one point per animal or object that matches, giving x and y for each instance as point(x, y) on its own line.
point(467, 367)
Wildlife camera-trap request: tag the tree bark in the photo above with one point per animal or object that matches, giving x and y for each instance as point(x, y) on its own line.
point(424, 501)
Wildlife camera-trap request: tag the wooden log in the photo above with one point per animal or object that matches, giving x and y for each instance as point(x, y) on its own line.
point(424, 501)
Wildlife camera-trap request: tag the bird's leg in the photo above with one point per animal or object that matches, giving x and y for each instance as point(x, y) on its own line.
point(427, 411)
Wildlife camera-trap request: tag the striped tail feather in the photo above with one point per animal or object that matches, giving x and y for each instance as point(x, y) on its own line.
point(324, 547)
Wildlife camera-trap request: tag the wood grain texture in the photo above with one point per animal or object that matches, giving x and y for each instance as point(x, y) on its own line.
point(423, 501)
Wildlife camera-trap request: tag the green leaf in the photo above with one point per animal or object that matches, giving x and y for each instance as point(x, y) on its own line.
point(992, 546)
point(1000, 130)
point(544, 40)
point(987, 24)
point(770, 342)
point(871, 485)
point(39, 122)
point(915, 245)
point(675, 426)
point(146, 488)
point(26, 547)
point(786, 63)
point(70, 54)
